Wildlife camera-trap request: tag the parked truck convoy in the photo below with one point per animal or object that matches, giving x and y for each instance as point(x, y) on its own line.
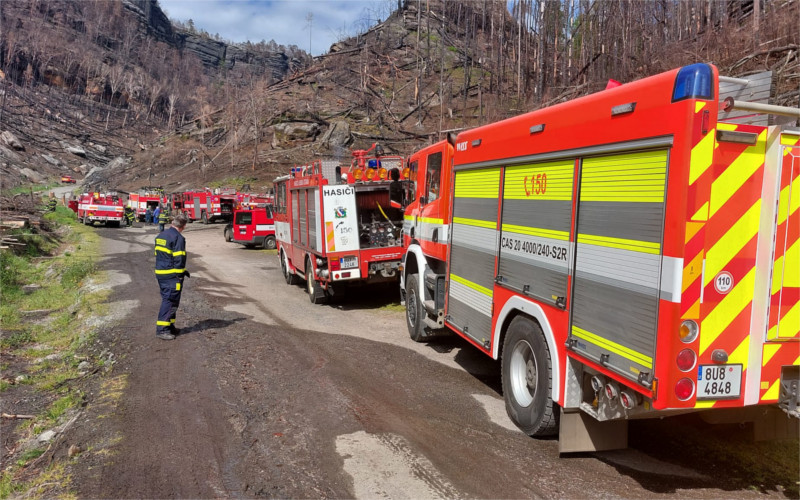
point(336, 225)
point(630, 254)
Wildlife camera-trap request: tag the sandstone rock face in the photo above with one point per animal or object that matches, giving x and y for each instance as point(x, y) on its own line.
point(31, 175)
point(11, 141)
point(52, 161)
point(152, 18)
point(77, 151)
point(337, 135)
point(9, 154)
point(294, 132)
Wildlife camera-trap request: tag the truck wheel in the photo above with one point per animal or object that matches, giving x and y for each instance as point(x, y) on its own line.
point(228, 235)
point(527, 379)
point(415, 313)
point(291, 278)
point(204, 218)
point(269, 243)
point(315, 292)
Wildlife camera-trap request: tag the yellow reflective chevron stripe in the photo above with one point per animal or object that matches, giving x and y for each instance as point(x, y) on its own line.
point(170, 271)
point(618, 349)
point(162, 323)
point(470, 284)
point(475, 222)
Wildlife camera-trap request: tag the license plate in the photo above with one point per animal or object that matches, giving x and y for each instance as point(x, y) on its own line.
point(719, 381)
point(349, 262)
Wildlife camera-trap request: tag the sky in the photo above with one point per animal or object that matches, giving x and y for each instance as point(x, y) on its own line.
point(285, 21)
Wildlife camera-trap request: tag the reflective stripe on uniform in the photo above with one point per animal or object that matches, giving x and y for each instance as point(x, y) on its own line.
point(166, 250)
point(170, 271)
point(177, 286)
point(162, 323)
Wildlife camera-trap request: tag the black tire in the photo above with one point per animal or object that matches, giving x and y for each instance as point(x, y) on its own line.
point(527, 379)
point(315, 292)
point(415, 312)
point(204, 218)
point(228, 234)
point(291, 278)
point(269, 243)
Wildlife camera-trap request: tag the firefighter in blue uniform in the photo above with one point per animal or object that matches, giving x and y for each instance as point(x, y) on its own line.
point(170, 253)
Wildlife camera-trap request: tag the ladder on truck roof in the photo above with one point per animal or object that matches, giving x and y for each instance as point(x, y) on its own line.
point(747, 100)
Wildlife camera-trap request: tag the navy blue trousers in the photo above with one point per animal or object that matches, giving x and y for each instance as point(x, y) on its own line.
point(170, 300)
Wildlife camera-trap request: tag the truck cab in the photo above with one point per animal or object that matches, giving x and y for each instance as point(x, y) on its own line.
point(252, 227)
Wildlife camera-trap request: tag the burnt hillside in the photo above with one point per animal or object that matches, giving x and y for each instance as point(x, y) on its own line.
point(430, 67)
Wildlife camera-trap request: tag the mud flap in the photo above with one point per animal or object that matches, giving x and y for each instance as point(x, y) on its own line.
point(580, 432)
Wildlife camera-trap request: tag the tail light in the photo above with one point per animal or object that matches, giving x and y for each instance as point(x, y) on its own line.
point(688, 331)
point(684, 389)
point(686, 360)
point(335, 264)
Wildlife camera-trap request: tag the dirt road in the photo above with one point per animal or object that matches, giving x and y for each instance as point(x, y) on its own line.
point(266, 395)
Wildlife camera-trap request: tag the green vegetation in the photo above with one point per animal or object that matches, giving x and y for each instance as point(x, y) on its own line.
point(36, 188)
point(43, 312)
point(235, 182)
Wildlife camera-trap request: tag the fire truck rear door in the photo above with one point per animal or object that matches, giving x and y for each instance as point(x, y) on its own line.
point(618, 261)
point(473, 252)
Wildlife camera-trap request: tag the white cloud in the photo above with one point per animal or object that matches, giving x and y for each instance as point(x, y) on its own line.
point(284, 21)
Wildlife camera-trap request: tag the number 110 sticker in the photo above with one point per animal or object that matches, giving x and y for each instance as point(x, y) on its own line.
point(723, 282)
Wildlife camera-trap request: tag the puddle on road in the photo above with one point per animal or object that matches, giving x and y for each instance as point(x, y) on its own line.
point(385, 466)
point(495, 409)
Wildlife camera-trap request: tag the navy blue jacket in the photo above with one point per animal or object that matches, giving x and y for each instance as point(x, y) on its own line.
point(170, 254)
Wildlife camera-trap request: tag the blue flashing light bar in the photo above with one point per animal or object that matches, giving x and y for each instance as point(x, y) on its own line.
point(694, 82)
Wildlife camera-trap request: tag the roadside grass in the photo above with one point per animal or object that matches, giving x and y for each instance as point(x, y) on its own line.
point(36, 188)
point(44, 327)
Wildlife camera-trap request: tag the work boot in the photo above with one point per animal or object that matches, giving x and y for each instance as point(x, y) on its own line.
point(165, 336)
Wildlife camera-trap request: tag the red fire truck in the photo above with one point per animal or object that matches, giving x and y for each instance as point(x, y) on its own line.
point(148, 197)
point(630, 254)
point(336, 225)
point(101, 207)
point(252, 227)
point(207, 206)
